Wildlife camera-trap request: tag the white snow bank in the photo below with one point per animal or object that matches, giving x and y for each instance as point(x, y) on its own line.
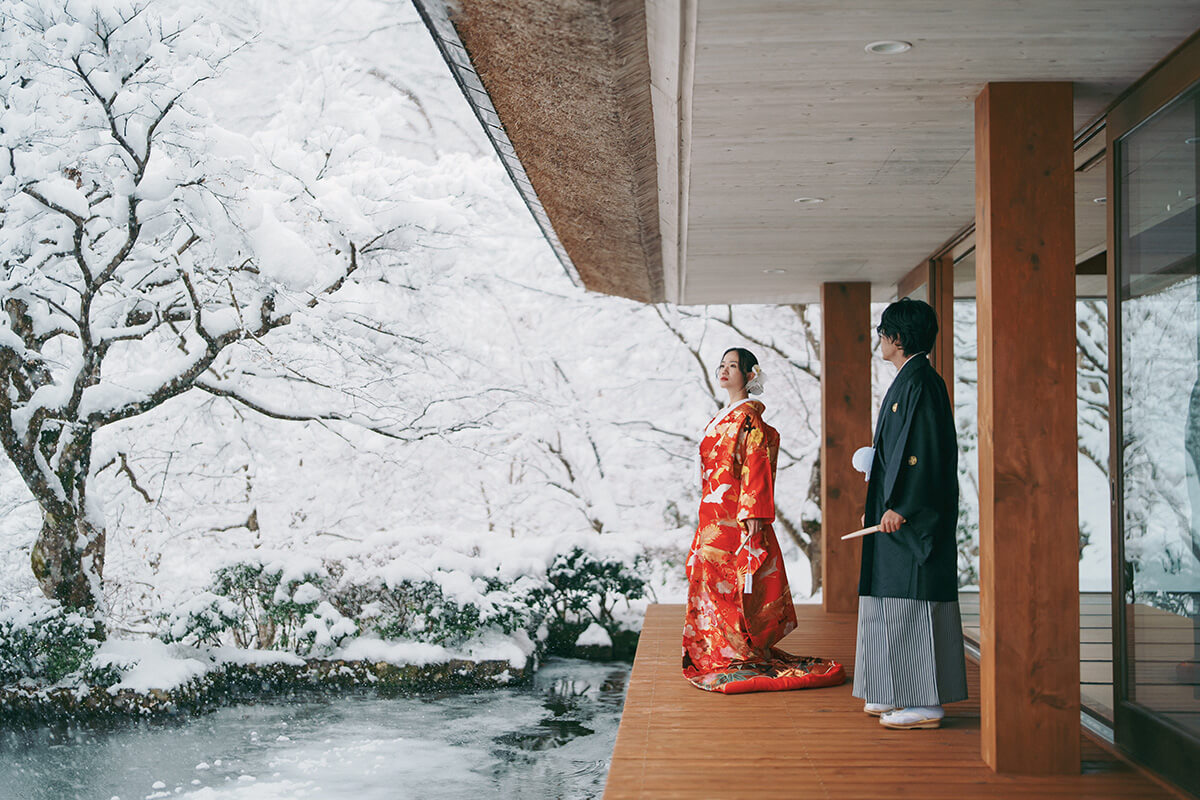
point(594, 636)
point(148, 664)
point(262, 658)
point(393, 652)
point(515, 648)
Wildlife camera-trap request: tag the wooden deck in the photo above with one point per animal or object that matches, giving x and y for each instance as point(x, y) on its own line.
point(676, 741)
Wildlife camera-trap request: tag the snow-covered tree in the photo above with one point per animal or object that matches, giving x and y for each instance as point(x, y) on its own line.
point(1091, 342)
point(147, 252)
point(116, 249)
point(572, 414)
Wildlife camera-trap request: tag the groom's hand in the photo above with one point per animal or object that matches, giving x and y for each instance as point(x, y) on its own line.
point(891, 522)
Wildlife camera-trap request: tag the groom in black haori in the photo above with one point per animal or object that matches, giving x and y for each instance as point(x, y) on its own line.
point(910, 647)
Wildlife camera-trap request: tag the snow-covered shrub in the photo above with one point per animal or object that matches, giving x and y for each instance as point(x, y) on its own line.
point(44, 642)
point(411, 609)
point(273, 599)
point(517, 606)
point(265, 605)
point(323, 631)
point(451, 608)
point(585, 588)
point(202, 618)
point(582, 583)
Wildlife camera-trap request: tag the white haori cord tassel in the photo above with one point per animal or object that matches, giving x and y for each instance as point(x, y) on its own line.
point(748, 586)
point(862, 460)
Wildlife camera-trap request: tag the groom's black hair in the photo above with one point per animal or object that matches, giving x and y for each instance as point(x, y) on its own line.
point(911, 323)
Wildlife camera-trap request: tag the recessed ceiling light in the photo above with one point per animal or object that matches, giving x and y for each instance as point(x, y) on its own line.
point(1099, 200)
point(809, 201)
point(774, 272)
point(888, 47)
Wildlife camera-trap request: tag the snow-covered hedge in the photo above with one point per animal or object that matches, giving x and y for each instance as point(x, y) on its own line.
point(274, 601)
point(448, 608)
point(41, 642)
point(263, 603)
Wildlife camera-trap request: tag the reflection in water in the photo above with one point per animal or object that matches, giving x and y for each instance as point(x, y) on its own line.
point(552, 739)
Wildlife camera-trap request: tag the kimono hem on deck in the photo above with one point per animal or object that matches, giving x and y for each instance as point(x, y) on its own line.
point(729, 634)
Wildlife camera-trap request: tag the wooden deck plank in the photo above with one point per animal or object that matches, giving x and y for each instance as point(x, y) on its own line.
point(676, 741)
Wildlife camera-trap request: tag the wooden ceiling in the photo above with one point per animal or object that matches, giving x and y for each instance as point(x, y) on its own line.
point(753, 104)
point(786, 103)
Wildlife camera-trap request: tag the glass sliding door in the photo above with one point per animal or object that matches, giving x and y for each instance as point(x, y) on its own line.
point(1158, 460)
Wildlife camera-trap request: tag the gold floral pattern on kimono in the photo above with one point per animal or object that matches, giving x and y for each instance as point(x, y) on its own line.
point(729, 634)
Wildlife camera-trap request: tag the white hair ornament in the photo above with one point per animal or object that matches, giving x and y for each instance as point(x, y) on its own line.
point(755, 384)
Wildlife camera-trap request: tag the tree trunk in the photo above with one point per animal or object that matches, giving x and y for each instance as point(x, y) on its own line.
point(811, 548)
point(66, 571)
point(812, 527)
point(814, 554)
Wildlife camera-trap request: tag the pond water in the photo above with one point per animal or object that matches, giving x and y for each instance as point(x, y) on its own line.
point(550, 739)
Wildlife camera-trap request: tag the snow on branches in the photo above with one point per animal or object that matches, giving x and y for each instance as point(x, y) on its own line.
point(147, 251)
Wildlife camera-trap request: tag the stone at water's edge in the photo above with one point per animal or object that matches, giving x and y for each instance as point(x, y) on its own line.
point(594, 643)
point(594, 652)
point(238, 681)
point(625, 644)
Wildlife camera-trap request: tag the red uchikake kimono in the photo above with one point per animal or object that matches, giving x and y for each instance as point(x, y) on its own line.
point(729, 635)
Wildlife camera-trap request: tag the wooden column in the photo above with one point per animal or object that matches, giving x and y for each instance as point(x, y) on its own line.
point(845, 427)
point(941, 297)
point(1028, 483)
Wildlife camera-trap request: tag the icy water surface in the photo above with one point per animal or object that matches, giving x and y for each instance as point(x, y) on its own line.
point(552, 739)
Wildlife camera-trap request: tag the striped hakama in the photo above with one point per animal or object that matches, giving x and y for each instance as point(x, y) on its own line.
point(910, 652)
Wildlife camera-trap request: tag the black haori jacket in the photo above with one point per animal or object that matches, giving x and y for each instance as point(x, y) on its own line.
point(915, 473)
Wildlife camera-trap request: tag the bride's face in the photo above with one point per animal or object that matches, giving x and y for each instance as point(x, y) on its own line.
point(729, 374)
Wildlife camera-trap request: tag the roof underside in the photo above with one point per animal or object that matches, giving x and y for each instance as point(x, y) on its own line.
point(570, 84)
point(756, 104)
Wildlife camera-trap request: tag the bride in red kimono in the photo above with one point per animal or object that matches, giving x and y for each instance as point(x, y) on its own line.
point(739, 605)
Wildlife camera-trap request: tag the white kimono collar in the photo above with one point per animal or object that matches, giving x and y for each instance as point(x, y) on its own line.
point(721, 415)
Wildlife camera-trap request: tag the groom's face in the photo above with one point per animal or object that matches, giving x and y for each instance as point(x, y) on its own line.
point(887, 347)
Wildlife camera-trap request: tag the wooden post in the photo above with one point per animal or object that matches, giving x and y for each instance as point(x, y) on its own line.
point(941, 297)
point(1028, 482)
point(845, 427)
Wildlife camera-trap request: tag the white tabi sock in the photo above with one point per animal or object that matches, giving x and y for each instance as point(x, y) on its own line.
point(932, 712)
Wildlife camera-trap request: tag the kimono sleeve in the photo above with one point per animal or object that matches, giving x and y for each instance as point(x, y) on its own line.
point(757, 486)
point(918, 494)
